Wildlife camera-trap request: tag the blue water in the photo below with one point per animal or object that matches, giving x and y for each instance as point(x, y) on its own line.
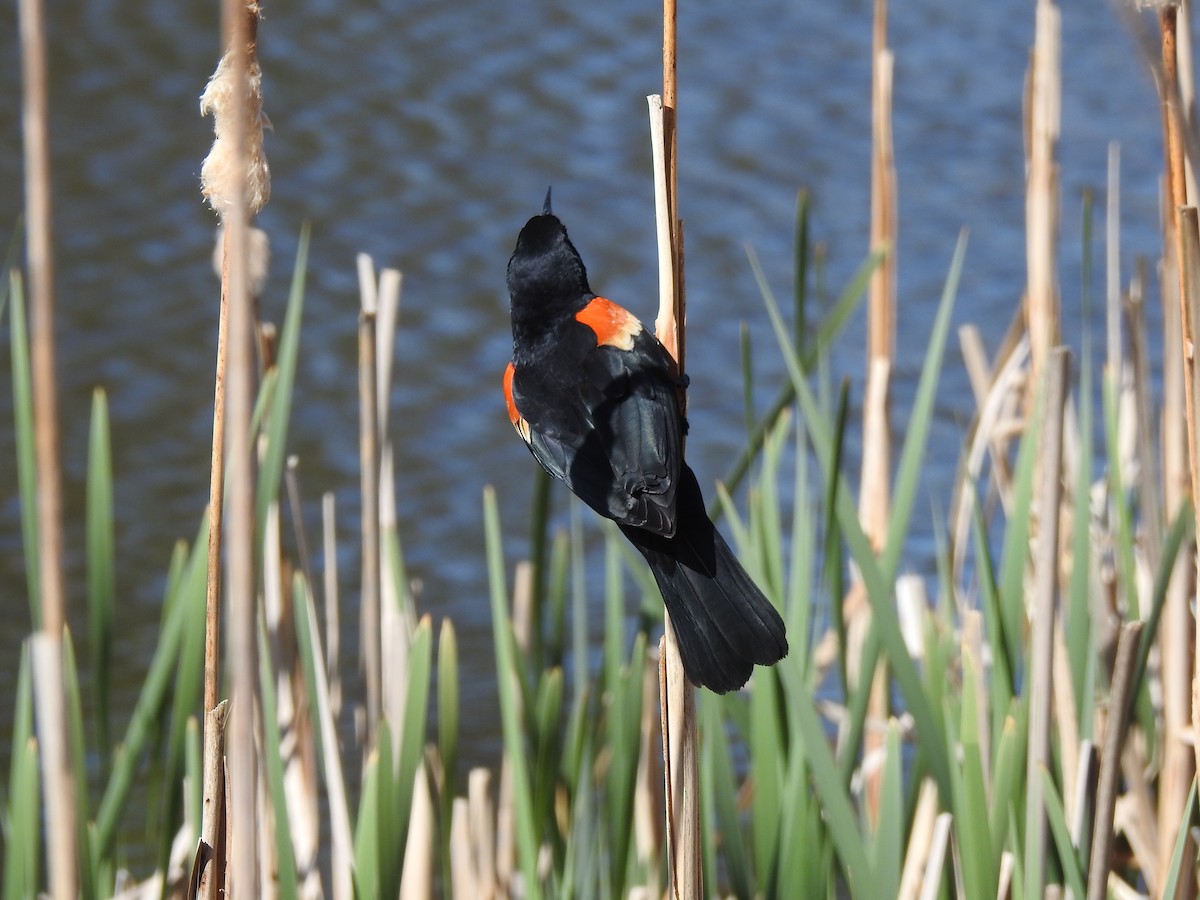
point(425, 134)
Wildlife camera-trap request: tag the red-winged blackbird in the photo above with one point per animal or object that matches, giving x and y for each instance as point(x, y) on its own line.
point(593, 395)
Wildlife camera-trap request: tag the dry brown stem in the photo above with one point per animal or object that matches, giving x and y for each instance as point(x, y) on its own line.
point(1107, 786)
point(369, 475)
point(1041, 197)
point(1045, 603)
point(58, 780)
point(241, 584)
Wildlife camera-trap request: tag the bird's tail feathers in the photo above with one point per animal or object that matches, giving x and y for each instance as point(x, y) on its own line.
point(724, 624)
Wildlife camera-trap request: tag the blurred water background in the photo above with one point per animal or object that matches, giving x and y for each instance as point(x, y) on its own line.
point(425, 133)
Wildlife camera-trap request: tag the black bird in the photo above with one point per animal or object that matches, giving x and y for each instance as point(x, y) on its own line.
point(594, 396)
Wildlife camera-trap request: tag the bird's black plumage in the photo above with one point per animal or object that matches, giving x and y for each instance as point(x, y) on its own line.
point(594, 396)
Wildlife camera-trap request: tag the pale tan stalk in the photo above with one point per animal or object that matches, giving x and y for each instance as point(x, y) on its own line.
point(1041, 194)
point(939, 846)
point(416, 881)
point(1187, 258)
point(920, 841)
point(1178, 760)
point(874, 497)
point(1188, 226)
point(1066, 718)
point(1177, 197)
point(505, 841)
point(483, 839)
point(395, 614)
point(677, 696)
point(240, 579)
point(464, 880)
point(648, 794)
point(369, 475)
point(209, 869)
point(216, 498)
point(58, 779)
point(1045, 603)
point(331, 597)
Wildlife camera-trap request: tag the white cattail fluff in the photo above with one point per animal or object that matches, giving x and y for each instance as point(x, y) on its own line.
point(220, 175)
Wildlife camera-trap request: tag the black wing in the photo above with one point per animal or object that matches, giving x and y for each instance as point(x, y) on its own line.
point(612, 431)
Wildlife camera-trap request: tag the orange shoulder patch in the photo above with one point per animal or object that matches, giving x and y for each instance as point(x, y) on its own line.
point(613, 325)
point(515, 417)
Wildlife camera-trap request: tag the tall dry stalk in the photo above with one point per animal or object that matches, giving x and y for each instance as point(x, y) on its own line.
point(58, 780)
point(236, 182)
point(1041, 191)
point(873, 502)
point(681, 750)
point(1045, 600)
point(369, 475)
point(1179, 670)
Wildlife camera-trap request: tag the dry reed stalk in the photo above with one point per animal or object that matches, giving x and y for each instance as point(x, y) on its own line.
point(1187, 92)
point(256, 278)
point(1008, 865)
point(1120, 703)
point(677, 696)
point(216, 497)
point(481, 816)
point(58, 780)
point(874, 499)
point(395, 620)
point(236, 182)
point(523, 624)
point(1177, 190)
point(463, 880)
point(1041, 193)
point(240, 577)
point(938, 846)
point(1188, 226)
point(331, 597)
point(209, 868)
point(368, 442)
point(920, 841)
point(1043, 616)
point(1066, 720)
point(388, 306)
point(647, 791)
point(998, 418)
point(506, 818)
point(416, 881)
point(58, 783)
point(1176, 486)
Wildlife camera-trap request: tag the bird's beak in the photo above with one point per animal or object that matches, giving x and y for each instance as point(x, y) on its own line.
point(546, 211)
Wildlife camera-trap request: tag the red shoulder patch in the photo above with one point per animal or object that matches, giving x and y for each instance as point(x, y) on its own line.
point(613, 325)
point(515, 417)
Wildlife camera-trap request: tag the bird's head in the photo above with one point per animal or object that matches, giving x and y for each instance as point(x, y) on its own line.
point(545, 273)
